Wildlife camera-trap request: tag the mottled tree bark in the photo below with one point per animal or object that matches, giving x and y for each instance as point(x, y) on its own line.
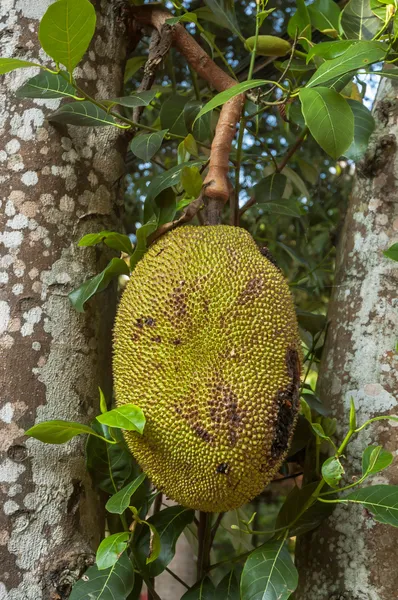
point(351, 557)
point(55, 186)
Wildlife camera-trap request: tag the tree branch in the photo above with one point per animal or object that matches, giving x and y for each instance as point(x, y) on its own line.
point(216, 188)
point(158, 48)
point(280, 166)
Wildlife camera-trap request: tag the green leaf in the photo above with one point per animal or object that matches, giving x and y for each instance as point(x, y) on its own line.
point(297, 182)
point(127, 416)
point(358, 21)
point(330, 50)
point(315, 404)
point(282, 207)
point(205, 14)
point(375, 459)
point(200, 127)
point(141, 245)
point(133, 65)
point(329, 119)
point(388, 73)
point(191, 181)
point(296, 66)
point(155, 544)
point(392, 252)
point(318, 430)
point(306, 410)
point(203, 590)
point(163, 207)
point(358, 56)
point(311, 322)
point(293, 254)
point(169, 523)
point(224, 10)
point(110, 549)
point(300, 23)
point(294, 504)
point(380, 500)
point(10, 64)
point(301, 436)
point(82, 113)
point(46, 85)
point(57, 432)
point(353, 415)
point(120, 501)
point(103, 406)
point(110, 465)
point(113, 583)
point(364, 125)
point(332, 471)
point(172, 114)
point(66, 30)
point(98, 283)
point(168, 179)
point(329, 425)
point(228, 588)
point(183, 203)
point(146, 145)
point(190, 145)
point(231, 92)
point(270, 189)
point(263, 14)
point(135, 99)
point(112, 239)
point(269, 573)
point(325, 16)
point(308, 171)
point(189, 17)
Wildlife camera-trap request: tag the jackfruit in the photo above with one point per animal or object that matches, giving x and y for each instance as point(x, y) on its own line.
point(206, 343)
point(269, 45)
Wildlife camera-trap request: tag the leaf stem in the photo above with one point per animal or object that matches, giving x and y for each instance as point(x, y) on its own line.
point(292, 150)
point(242, 126)
point(381, 418)
point(177, 578)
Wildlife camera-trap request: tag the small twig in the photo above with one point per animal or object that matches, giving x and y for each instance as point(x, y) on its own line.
point(157, 505)
point(281, 78)
point(292, 476)
point(279, 166)
point(215, 527)
point(153, 594)
point(177, 578)
point(232, 559)
point(156, 508)
point(292, 150)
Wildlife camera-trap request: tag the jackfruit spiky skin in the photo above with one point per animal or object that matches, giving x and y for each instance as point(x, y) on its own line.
point(206, 343)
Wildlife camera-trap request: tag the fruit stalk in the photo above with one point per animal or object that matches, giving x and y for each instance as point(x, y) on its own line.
point(216, 187)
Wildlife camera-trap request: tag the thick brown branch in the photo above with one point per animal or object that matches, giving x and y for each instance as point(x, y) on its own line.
point(216, 188)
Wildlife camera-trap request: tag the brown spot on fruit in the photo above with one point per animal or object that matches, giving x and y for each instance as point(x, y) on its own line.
point(287, 401)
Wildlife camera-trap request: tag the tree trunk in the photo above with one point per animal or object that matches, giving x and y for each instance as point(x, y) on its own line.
point(56, 185)
point(350, 557)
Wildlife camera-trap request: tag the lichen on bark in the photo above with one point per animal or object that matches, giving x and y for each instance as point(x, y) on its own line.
point(350, 556)
point(57, 184)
